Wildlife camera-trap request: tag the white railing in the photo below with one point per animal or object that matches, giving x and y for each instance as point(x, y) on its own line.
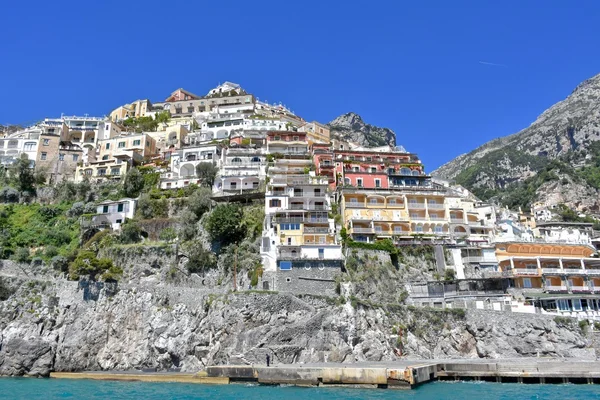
point(525, 272)
point(416, 206)
point(584, 288)
point(457, 220)
point(551, 288)
point(552, 271)
point(438, 219)
point(435, 206)
point(355, 205)
point(362, 230)
point(473, 259)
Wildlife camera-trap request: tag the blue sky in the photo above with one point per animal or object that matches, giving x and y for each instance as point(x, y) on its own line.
point(413, 66)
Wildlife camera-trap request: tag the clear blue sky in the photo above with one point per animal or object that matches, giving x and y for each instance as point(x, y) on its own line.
point(412, 66)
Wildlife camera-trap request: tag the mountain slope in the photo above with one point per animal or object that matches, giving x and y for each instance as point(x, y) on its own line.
point(559, 144)
point(351, 127)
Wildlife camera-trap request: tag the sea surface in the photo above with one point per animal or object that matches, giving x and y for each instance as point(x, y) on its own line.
point(49, 389)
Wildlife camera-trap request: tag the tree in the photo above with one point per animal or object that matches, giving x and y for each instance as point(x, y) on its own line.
point(207, 173)
point(163, 116)
point(87, 264)
point(200, 201)
point(200, 259)
point(133, 183)
point(23, 174)
point(130, 233)
point(187, 225)
point(224, 224)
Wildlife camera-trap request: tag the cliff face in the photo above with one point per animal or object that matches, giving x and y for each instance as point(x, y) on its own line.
point(565, 133)
point(49, 324)
point(350, 127)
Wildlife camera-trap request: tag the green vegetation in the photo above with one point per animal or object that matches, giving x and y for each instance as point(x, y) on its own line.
point(224, 224)
point(206, 172)
point(86, 264)
point(133, 183)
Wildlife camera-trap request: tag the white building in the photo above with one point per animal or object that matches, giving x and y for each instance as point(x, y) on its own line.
point(183, 165)
point(242, 170)
point(115, 212)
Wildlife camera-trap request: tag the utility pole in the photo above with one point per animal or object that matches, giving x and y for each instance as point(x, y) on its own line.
point(235, 269)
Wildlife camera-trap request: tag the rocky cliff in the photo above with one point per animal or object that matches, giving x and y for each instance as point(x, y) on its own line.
point(561, 142)
point(351, 127)
point(48, 323)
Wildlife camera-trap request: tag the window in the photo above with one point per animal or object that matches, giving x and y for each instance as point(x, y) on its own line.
point(105, 209)
point(120, 207)
point(46, 142)
point(88, 172)
point(61, 157)
point(75, 157)
point(359, 182)
point(419, 228)
point(275, 203)
point(147, 143)
point(377, 183)
point(121, 145)
point(414, 215)
point(29, 146)
point(373, 170)
point(296, 138)
point(438, 229)
point(44, 156)
point(107, 146)
point(391, 201)
point(115, 171)
point(563, 305)
point(119, 221)
point(321, 254)
point(433, 215)
point(102, 172)
point(373, 201)
point(137, 142)
point(105, 157)
point(527, 283)
point(277, 138)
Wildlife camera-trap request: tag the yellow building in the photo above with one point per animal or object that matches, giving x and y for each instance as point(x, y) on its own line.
point(553, 267)
point(369, 215)
point(316, 132)
point(133, 110)
point(114, 156)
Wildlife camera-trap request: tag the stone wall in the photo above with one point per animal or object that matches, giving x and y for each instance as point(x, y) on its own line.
point(309, 277)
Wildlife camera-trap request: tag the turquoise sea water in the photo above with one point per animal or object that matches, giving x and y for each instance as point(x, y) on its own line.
point(50, 389)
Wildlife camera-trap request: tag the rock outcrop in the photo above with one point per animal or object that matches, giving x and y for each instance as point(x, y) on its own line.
point(51, 324)
point(350, 127)
point(565, 132)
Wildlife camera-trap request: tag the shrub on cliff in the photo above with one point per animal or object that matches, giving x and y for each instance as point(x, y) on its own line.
point(200, 201)
point(133, 183)
point(22, 255)
point(87, 264)
point(130, 233)
point(199, 259)
point(224, 224)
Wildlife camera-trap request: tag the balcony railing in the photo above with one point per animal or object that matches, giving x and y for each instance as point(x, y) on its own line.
point(552, 271)
point(310, 207)
point(457, 220)
point(416, 206)
point(525, 272)
point(296, 220)
point(438, 219)
point(355, 205)
point(435, 206)
point(316, 229)
point(584, 288)
point(307, 194)
point(551, 288)
point(363, 230)
point(473, 259)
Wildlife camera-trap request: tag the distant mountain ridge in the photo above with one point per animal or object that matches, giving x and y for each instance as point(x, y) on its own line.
point(351, 127)
point(562, 144)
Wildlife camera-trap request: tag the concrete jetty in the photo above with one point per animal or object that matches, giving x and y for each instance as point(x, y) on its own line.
point(399, 375)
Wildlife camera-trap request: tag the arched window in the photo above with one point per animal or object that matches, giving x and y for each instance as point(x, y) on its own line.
point(236, 160)
point(416, 172)
point(255, 160)
point(405, 171)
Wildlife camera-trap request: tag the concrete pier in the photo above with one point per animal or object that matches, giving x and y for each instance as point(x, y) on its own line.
point(394, 375)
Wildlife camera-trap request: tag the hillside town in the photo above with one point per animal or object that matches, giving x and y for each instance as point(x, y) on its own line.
point(322, 198)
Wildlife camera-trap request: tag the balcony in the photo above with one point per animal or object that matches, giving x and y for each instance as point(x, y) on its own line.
point(363, 230)
point(355, 205)
point(579, 289)
point(473, 259)
point(416, 206)
point(316, 229)
point(435, 206)
point(525, 272)
point(552, 271)
point(287, 255)
point(438, 219)
point(561, 288)
point(309, 207)
point(457, 221)
point(297, 220)
point(307, 194)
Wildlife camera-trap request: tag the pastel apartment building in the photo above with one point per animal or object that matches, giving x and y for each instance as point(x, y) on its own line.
point(556, 278)
point(317, 132)
point(243, 169)
point(110, 214)
point(182, 171)
point(297, 205)
point(114, 156)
